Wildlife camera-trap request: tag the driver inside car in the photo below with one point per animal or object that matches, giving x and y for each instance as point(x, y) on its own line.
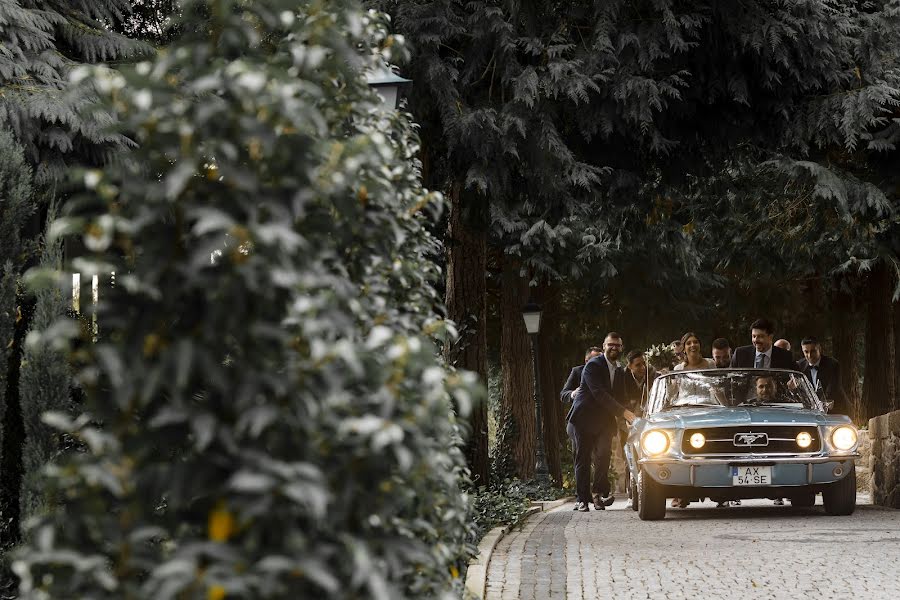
point(765, 389)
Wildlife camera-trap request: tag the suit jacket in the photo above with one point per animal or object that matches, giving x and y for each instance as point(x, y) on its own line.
point(595, 409)
point(745, 357)
point(634, 393)
point(828, 383)
point(572, 383)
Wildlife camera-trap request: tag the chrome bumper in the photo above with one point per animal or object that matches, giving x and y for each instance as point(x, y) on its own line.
point(717, 472)
point(755, 458)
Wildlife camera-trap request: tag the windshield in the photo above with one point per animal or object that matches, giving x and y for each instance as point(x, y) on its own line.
point(719, 388)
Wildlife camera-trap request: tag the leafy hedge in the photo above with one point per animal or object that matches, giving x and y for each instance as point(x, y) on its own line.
point(265, 412)
point(500, 504)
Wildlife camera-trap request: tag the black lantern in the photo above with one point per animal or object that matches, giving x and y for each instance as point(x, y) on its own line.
point(389, 86)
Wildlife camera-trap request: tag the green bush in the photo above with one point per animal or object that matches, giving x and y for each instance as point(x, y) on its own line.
point(265, 412)
point(504, 503)
point(500, 504)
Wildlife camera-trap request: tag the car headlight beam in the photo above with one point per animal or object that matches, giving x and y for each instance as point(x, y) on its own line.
point(655, 442)
point(844, 437)
point(804, 439)
point(698, 440)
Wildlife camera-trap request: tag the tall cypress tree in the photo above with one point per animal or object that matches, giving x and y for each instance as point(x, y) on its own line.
point(45, 383)
point(16, 206)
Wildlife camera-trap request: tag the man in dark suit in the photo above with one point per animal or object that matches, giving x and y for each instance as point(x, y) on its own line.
point(721, 353)
point(639, 378)
point(568, 393)
point(574, 379)
point(592, 421)
point(762, 354)
point(824, 373)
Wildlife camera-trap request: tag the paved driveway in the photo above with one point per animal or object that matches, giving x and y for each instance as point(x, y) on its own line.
point(753, 551)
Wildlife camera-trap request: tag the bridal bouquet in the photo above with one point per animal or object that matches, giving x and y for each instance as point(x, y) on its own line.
point(661, 357)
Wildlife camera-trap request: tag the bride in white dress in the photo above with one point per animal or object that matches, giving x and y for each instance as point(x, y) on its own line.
point(693, 355)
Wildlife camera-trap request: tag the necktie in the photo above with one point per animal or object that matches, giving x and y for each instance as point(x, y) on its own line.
point(760, 361)
point(814, 372)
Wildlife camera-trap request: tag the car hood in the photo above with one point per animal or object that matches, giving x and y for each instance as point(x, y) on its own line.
point(685, 418)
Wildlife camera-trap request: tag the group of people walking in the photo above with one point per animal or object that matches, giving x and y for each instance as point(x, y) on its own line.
point(606, 397)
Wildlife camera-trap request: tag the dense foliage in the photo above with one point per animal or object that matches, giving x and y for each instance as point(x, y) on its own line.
point(44, 384)
point(501, 503)
point(265, 415)
point(43, 40)
point(16, 205)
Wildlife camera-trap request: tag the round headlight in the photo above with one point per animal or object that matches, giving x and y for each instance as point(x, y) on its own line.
point(844, 437)
point(804, 439)
point(655, 442)
point(698, 440)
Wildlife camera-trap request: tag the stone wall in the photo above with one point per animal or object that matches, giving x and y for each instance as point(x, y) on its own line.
point(884, 434)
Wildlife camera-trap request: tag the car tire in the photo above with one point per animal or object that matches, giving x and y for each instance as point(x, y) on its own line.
point(803, 500)
point(839, 498)
point(651, 498)
point(635, 500)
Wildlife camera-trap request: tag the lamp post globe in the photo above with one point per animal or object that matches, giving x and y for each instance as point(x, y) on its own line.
point(531, 314)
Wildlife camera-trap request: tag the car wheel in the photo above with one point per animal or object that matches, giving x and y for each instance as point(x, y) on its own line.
point(839, 498)
point(651, 498)
point(803, 500)
point(635, 501)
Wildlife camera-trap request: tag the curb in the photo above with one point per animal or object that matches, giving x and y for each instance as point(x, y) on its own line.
point(548, 505)
point(476, 573)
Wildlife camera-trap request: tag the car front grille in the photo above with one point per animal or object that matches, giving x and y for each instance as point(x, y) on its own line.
point(779, 439)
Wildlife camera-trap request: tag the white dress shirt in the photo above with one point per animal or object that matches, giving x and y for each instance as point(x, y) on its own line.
point(612, 371)
point(814, 374)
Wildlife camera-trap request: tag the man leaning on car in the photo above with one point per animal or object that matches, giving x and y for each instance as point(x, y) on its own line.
point(824, 373)
point(592, 419)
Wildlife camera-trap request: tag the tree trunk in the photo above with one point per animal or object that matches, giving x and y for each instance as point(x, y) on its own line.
point(878, 386)
point(466, 265)
point(517, 397)
point(13, 431)
point(562, 366)
point(895, 316)
point(549, 339)
point(845, 337)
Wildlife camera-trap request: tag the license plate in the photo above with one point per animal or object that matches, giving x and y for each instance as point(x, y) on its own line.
point(751, 475)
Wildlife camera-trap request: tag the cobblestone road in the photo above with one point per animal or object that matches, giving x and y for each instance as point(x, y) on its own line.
point(754, 551)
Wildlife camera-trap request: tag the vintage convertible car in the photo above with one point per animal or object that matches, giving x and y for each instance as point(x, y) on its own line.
point(727, 434)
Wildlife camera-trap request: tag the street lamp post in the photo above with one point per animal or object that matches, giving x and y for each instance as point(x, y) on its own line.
point(531, 313)
point(389, 86)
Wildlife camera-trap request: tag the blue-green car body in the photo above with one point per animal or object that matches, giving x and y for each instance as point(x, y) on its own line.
point(777, 444)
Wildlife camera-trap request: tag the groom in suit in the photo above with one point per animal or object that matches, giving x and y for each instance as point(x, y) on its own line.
point(762, 354)
point(824, 373)
point(567, 395)
point(592, 420)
